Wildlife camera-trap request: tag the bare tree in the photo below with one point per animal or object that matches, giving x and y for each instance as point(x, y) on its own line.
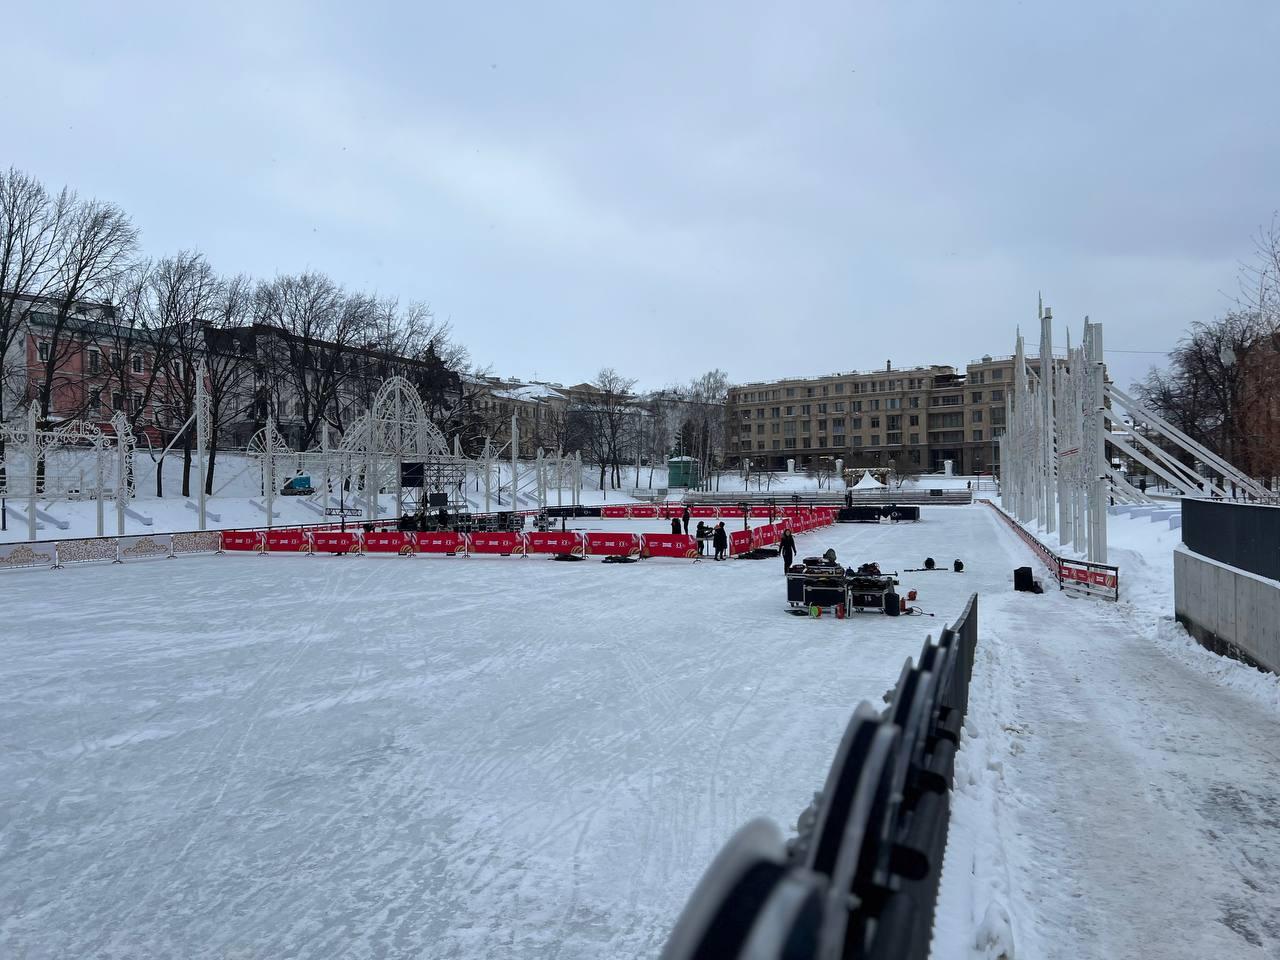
point(31, 229)
point(228, 368)
point(95, 248)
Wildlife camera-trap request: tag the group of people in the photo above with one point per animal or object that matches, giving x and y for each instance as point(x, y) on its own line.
point(718, 535)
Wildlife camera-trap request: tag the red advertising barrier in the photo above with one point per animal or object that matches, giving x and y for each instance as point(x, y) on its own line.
point(441, 542)
point(615, 513)
point(767, 535)
point(332, 541)
point(389, 542)
point(243, 540)
point(670, 510)
point(764, 512)
point(644, 511)
point(739, 542)
point(502, 543)
point(613, 544)
point(704, 512)
point(728, 513)
point(668, 545)
point(557, 543)
point(288, 541)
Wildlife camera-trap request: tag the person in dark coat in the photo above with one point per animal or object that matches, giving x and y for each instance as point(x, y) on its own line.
point(788, 546)
point(701, 534)
point(684, 518)
point(720, 540)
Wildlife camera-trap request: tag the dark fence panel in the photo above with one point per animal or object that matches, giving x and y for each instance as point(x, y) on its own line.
point(860, 878)
point(1243, 535)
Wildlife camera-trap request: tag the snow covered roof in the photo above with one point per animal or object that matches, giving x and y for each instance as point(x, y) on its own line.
point(868, 482)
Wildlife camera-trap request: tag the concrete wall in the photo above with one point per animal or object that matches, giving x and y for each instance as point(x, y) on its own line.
point(1230, 611)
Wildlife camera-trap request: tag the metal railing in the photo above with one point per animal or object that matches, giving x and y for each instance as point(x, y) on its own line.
point(861, 877)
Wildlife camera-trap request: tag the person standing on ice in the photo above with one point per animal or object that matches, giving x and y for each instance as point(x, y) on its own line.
point(720, 540)
point(675, 526)
point(788, 546)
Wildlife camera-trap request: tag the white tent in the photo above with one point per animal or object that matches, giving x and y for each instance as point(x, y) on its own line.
point(868, 482)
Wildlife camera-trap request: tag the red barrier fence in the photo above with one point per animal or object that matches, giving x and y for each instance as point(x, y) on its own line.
point(288, 541)
point(739, 542)
point(613, 544)
point(668, 545)
point(556, 543)
point(704, 512)
point(441, 542)
point(238, 540)
point(401, 543)
point(644, 511)
point(615, 513)
point(327, 541)
point(500, 543)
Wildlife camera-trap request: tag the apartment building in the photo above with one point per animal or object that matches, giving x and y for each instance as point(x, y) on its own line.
point(915, 417)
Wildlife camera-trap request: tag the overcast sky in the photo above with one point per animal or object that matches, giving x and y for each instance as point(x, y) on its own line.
point(773, 189)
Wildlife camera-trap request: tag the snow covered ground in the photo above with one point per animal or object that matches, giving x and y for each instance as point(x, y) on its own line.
point(270, 757)
point(366, 757)
point(1116, 791)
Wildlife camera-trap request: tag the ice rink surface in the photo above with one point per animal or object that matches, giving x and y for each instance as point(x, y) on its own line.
point(274, 757)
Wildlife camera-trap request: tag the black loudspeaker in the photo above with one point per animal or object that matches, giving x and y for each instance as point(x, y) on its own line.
point(437, 499)
point(1023, 582)
point(411, 474)
point(892, 605)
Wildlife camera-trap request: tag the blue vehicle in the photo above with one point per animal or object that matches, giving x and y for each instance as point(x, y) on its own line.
point(299, 486)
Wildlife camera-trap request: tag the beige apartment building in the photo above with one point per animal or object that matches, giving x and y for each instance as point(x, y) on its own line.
point(917, 417)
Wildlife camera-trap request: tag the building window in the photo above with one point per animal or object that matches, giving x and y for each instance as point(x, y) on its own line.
point(977, 436)
point(822, 408)
point(915, 457)
point(759, 444)
point(977, 416)
point(875, 423)
point(789, 428)
point(875, 439)
point(137, 363)
point(42, 349)
point(822, 425)
point(117, 401)
point(997, 396)
point(976, 396)
point(857, 441)
point(775, 411)
point(791, 392)
point(759, 413)
point(95, 361)
point(914, 403)
point(997, 374)
point(839, 388)
point(840, 407)
point(808, 391)
point(777, 445)
point(759, 428)
point(824, 389)
point(791, 411)
point(855, 406)
point(914, 420)
point(804, 426)
point(95, 401)
point(789, 443)
point(893, 439)
point(773, 428)
point(804, 409)
point(915, 438)
point(137, 403)
point(856, 423)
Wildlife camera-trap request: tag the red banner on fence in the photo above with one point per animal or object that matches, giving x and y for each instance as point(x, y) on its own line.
point(739, 541)
point(441, 542)
point(557, 543)
point(669, 545)
point(766, 535)
point(288, 541)
point(502, 543)
point(615, 513)
point(644, 511)
point(704, 512)
point(729, 513)
point(243, 540)
point(764, 512)
point(389, 542)
point(613, 544)
point(670, 510)
point(326, 541)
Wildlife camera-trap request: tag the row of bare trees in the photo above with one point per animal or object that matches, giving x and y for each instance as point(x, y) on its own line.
point(1222, 383)
point(137, 331)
